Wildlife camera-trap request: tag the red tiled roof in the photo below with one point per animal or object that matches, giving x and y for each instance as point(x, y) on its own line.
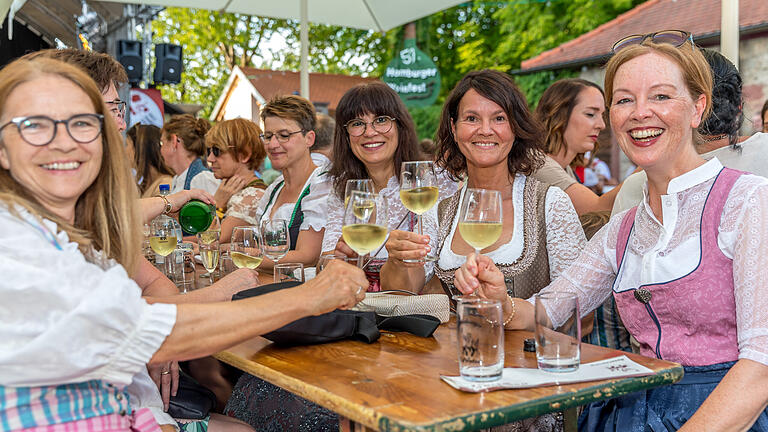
point(323, 88)
point(700, 17)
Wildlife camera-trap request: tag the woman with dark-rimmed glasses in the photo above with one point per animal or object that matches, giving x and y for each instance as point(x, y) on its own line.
point(374, 135)
point(686, 266)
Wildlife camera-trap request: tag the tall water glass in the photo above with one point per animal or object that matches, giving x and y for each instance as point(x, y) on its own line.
point(558, 348)
point(481, 338)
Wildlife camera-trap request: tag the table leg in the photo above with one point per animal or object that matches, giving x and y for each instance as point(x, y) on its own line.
point(570, 420)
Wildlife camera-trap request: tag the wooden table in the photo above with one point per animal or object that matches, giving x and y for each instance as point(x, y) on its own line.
point(394, 384)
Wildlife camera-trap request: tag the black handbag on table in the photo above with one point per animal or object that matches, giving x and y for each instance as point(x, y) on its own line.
point(193, 401)
point(340, 324)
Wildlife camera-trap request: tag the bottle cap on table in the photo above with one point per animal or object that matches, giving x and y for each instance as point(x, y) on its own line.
point(529, 345)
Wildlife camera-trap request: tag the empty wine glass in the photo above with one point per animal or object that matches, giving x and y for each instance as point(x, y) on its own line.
point(419, 192)
point(208, 242)
point(365, 223)
point(362, 185)
point(246, 247)
point(275, 238)
point(480, 220)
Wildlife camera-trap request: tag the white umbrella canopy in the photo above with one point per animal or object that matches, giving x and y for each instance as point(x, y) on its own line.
point(379, 15)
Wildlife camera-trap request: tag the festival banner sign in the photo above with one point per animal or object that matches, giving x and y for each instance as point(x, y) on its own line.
point(414, 76)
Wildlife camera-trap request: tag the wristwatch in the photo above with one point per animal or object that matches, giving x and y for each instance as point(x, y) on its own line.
point(168, 205)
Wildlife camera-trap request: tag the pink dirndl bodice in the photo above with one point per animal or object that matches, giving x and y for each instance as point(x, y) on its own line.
point(690, 320)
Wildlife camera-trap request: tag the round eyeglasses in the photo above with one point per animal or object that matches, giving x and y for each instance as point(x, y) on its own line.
point(673, 37)
point(381, 124)
point(41, 130)
point(282, 136)
point(117, 108)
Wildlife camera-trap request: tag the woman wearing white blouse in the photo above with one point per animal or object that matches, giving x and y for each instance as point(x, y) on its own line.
point(687, 267)
point(299, 194)
point(67, 197)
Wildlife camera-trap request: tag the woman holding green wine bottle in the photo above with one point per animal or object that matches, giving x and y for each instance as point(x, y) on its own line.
point(375, 140)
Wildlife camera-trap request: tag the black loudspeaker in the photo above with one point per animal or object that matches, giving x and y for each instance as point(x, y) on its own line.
point(131, 55)
point(167, 64)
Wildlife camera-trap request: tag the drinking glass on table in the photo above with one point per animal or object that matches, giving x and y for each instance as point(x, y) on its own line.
point(362, 185)
point(275, 238)
point(208, 243)
point(558, 349)
point(246, 247)
point(365, 223)
point(163, 236)
point(419, 192)
point(289, 272)
point(480, 220)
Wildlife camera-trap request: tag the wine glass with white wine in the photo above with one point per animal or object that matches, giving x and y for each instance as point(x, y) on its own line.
point(362, 185)
point(245, 247)
point(276, 239)
point(419, 192)
point(365, 223)
point(480, 220)
point(162, 238)
point(208, 242)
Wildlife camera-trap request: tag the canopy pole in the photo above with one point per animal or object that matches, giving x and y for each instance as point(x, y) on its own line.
point(304, 37)
point(729, 30)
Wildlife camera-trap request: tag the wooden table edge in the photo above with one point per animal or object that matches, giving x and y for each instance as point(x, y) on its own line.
point(369, 418)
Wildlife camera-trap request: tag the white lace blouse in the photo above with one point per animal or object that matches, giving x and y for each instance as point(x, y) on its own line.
point(659, 252)
point(565, 238)
point(314, 205)
point(244, 205)
point(66, 319)
point(396, 213)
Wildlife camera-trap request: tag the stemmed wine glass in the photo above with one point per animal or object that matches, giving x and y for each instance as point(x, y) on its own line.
point(362, 185)
point(246, 247)
point(419, 192)
point(275, 238)
point(208, 242)
point(365, 223)
point(163, 236)
point(480, 220)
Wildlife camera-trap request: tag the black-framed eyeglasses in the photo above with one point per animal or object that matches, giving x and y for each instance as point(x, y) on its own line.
point(282, 136)
point(41, 130)
point(117, 107)
point(381, 124)
point(216, 151)
point(673, 37)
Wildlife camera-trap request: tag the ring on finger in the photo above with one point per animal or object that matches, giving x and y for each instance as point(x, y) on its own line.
point(359, 290)
point(165, 372)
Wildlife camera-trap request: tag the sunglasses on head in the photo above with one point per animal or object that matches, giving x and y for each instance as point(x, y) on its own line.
point(673, 37)
point(215, 150)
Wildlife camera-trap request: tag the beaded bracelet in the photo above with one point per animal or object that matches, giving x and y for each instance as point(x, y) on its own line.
point(512, 315)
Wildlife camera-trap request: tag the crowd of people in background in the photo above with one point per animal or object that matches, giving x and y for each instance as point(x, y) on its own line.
point(687, 228)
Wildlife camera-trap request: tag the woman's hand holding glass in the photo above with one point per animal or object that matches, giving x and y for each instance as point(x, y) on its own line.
point(407, 248)
point(480, 276)
point(365, 223)
point(419, 193)
point(339, 285)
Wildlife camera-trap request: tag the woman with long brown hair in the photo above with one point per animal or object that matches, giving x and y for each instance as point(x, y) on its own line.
point(571, 111)
point(142, 142)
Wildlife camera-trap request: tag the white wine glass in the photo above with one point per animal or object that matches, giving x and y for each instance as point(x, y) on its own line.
point(163, 236)
point(245, 248)
point(419, 192)
point(365, 223)
point(276, 240)
point(480, 220)
point(362, 185)
point(208, 242)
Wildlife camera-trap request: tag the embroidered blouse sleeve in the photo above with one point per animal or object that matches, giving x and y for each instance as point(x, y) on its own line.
point(333, 223)
point(315, 204)
point(743, 237)
point(565, 237)
point(54, 300)
point(244, 204)
point(590, 276)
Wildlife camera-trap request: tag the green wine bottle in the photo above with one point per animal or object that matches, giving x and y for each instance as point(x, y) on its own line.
point(196, 216)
